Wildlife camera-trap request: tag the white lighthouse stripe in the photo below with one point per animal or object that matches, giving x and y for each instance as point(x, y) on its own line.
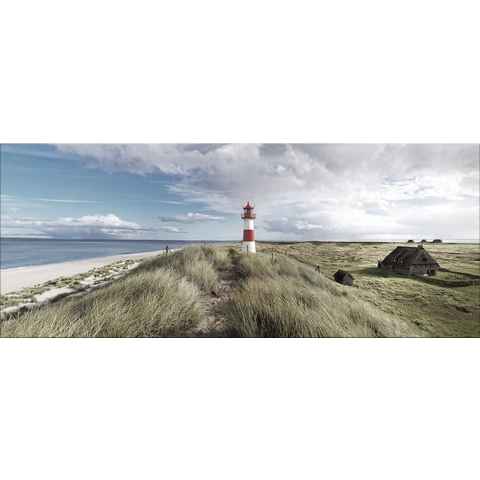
point(249, 224)
point(248, 247)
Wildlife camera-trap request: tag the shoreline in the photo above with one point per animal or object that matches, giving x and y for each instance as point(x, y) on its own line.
point(18, 278)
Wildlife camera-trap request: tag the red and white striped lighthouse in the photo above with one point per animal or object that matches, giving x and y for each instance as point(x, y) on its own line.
point(248, 244)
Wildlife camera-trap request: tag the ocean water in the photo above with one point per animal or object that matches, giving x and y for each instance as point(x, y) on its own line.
point(20, 252)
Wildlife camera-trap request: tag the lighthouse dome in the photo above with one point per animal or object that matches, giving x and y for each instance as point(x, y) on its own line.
point(248, 211)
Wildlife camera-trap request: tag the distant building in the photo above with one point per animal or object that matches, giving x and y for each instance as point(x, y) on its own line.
point(410, 261)
point(423, 241)
point(437, 240)
point(343, 277)
point(248, 243)
point(411, 241)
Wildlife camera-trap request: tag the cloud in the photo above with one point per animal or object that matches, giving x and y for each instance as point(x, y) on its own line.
point(191, 217)
point(168, 202)
point(188, 218)
point(323, 190)
point(11, 198)
point(61, 200)
point(171, 229)
point(88, 226)
point(293, 226)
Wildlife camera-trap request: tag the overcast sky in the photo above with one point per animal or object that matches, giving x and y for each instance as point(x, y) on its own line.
point(195, 191)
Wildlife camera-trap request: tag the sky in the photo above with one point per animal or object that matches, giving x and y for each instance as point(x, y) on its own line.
point(350, 192)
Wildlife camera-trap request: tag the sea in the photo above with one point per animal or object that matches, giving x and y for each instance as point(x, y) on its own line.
point(22, 252)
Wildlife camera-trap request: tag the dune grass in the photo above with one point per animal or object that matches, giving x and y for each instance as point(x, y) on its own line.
point(198, 264)
point(164, 296)
point(147, 303)
point(279, 297)
point(186, 291)
point(447, 305)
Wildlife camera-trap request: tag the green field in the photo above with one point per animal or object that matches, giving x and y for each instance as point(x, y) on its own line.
point(445, 305)
point(219, 292)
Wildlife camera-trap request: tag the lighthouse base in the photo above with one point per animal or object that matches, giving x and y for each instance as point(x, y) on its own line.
point(248, 247)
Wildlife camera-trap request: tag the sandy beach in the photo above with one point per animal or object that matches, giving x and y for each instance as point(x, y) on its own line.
point(14, 279)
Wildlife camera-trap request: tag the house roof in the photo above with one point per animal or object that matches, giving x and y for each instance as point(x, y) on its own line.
point(410, 256)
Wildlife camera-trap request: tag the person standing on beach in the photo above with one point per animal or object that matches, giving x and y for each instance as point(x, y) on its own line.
point(166, 250)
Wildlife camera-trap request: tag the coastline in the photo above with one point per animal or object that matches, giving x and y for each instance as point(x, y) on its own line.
point(18, 278)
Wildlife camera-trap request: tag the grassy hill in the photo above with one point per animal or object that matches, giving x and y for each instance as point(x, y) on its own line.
point(215, 291)
point(445, 305)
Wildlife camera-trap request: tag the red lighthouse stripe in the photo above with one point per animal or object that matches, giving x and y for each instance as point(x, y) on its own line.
point(248, 235)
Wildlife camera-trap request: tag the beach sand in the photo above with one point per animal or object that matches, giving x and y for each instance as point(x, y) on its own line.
point(14, 279)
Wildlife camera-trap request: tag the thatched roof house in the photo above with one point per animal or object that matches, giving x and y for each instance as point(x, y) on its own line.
point(411, 241)
point(437, 240)
point(343, 277)
point(410, 261)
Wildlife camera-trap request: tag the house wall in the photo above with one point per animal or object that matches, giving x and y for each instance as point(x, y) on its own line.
point(424, 269)
point(411, 269)
point(396, 269)
point(418, 269)
point(403, 270)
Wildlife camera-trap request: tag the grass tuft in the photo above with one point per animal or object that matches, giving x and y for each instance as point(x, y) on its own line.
point(143, 304)
point(195, 263)
point(281, 298)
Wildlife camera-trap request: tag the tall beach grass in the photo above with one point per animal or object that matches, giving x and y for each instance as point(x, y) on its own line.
point(144, 304)
point(279, 297)
point(170, 295)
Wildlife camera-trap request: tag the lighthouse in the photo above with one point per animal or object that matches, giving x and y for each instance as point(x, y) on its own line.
point(248, 244)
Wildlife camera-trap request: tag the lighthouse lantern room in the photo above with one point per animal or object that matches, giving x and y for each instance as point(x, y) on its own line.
point(248, 243)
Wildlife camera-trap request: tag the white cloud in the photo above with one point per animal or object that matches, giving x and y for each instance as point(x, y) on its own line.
point(61, 200)
point(7, 198)
point(341, 191)
point(191, 217)
point(87, 226)
point(171, 229)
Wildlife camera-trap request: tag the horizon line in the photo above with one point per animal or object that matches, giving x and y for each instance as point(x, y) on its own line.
point(393, 240)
